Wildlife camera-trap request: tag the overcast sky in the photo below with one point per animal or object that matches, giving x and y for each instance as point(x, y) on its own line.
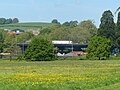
point(63, 10)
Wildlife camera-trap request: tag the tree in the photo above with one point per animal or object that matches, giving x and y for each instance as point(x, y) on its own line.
point(118, 23)
point(39, 49)
point(45, 31)
point(73, 23)
point(66, 24)
point(70, 24)
point(78, 34)
point(61, 33)
point(118, 9)
point(10, 44)
point(107, 26)
point(1, 40)
point(99, 47)
point(118, 31)
point(8, 21)
point(2, 21)
point(83, 32)
point(23, 37)
point(89, 26)
point(15, 20)
point(55, 21)
point(117, 34)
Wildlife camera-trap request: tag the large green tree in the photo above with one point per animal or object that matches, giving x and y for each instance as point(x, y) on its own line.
point(118, 23)
point(107, 26)
point(2, 21)
point(10, 44)
point(15, 20)
point(70, 24)
point(118, 31)
point(8, 21)
point(118, 9)
point(1, 40)
point(39, 49)
point(98, 47)
point(83, 32)
point(67, 24)
point(55, 21)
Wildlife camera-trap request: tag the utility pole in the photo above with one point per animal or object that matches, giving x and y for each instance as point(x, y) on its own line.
point(72, 46)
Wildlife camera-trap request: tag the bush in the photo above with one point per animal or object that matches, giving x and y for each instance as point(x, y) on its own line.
point(99, 47)
point(39, 49)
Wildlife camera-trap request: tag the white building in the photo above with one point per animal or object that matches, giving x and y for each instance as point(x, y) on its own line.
point(61, 42)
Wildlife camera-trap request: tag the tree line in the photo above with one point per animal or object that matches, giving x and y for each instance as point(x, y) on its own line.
point(78, 32)
point(8, 21)
point(102, 41)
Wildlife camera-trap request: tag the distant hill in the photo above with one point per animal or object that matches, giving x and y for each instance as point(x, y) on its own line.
point(26, 26)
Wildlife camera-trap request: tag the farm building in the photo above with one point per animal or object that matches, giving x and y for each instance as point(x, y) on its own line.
point(16, 31)
point(61, 45)
point(61, 42)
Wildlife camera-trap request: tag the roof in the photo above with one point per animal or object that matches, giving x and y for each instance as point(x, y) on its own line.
point(15, 30)
point(61, 42)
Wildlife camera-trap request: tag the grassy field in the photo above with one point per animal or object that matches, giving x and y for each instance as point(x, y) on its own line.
point(60, 75)
point(26, 26)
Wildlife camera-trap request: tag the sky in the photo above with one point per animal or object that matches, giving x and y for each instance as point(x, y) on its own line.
point(62, 10)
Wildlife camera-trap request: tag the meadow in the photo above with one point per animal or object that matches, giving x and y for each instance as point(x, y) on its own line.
point(26, 26)
point(60, 75)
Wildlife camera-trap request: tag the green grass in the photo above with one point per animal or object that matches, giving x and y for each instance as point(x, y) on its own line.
point(60, 75)
point(26, 26)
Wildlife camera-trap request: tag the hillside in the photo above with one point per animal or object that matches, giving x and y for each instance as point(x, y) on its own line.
point(26, 26)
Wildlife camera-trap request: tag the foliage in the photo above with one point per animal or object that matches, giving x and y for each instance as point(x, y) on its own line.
point(117, 34)
point(15, 20)
point(10, 42)
point(73, 23)
point(89, 26)
point(23, 37)
point(66, 23)
point(2, 40)
point(45, 31)
point(78, 33)
point(70, 24)
point(99, 47)
point(55, 21)
point(88, 29)
point(60, 33)
point(8, 21)
point(118, 9)
point(2, 21)
point(107, 26)
point(39, 49)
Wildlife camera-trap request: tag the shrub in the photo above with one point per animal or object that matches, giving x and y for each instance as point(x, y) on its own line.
point(39, 49)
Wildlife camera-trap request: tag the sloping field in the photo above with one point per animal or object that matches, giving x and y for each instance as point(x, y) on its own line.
point(26, 26)
point(60, 75)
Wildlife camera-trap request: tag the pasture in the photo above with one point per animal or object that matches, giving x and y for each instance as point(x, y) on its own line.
point(26, 26)
point(60, 75)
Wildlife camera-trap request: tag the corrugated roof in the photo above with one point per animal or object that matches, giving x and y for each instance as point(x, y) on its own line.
point(61, 42)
